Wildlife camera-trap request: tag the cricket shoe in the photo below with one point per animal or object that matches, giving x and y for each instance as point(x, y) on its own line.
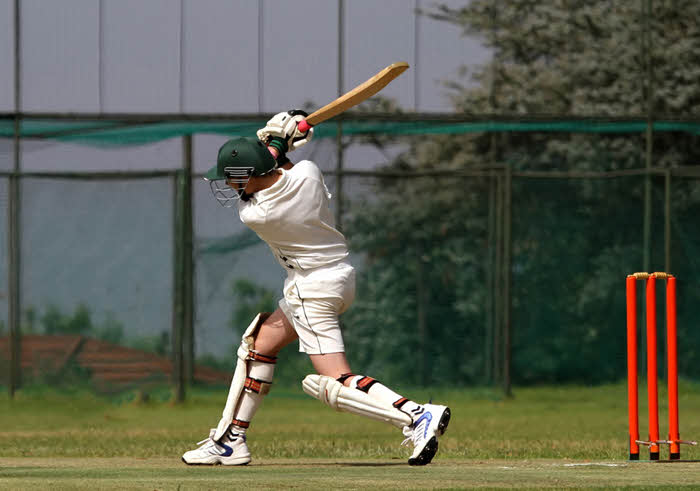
point(231, 449)
point(424, 433)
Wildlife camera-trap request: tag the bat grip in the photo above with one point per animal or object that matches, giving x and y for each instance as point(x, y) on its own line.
point(303, 126)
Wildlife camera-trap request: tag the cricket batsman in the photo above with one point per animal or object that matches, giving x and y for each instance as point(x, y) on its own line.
point(287, 205)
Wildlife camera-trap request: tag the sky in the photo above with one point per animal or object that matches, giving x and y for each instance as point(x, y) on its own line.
point(87, 241)
point(215, 55)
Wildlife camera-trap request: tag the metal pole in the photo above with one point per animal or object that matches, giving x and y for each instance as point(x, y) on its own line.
point(416, 45)
point(100, 55)
point(649, 136)
point(14, 232)
point(261, 52)
point(648, 151)
point(421, 318)
point(495, 214)
point(490, 280)
point(667, 221)
point(188, 262)
point(14, 269)
point(181, 81)
point(177, 328)
point(667, 254)
point(339, 133)
point(507, 249)
point(497, 274)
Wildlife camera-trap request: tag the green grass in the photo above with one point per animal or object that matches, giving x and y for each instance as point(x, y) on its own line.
point(543, 437)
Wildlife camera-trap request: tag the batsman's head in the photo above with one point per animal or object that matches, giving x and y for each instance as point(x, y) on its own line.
point(239, 160)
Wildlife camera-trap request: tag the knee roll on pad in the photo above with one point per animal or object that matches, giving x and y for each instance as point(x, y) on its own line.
point(345, 399)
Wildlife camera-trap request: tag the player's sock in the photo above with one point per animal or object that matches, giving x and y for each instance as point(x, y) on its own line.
point(256, 387)
point(384, 394)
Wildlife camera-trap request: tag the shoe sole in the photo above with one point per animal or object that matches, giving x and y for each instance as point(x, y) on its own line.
point(216, 463)
point(431, 448)
point(444, 421)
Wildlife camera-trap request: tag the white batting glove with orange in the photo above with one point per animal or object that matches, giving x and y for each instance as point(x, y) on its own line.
point(282, 131)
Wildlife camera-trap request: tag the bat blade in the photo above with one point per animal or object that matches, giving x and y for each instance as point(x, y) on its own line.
point(360, 93)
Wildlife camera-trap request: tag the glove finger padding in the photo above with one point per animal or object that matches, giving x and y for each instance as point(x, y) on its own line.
point(284, 126)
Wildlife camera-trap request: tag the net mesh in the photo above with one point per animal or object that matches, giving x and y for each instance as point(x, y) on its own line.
point(119, 133)
point(431, 245)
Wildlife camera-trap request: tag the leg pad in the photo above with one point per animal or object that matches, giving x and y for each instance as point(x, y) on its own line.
point(341, 398)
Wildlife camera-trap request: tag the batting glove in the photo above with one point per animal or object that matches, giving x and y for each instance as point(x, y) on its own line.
point(282, 132)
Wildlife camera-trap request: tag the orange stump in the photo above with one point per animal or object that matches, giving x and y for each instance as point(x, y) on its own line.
point(653, 441)
point(672, 352)
point(652, 370)
point(632, 396)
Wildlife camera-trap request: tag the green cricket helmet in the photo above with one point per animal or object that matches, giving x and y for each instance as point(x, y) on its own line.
point(238, 160)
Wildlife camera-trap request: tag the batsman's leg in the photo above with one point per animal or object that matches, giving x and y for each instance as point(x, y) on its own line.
point(365, 396)
point(428, 421)
point(251, 381)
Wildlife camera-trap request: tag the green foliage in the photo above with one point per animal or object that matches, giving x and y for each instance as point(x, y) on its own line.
point(291, 368)
point(250, 300)
point(423, 251)
point(159, 343)
point(55, 322)
point(211, 361)
point(72, 374)
point(422, 306)
point(111, 330)
point(29, 326)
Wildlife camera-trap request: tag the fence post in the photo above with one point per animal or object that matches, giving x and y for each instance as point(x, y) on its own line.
point(14, 268)
point(667, 221)
point(421, 318)
point(497, 291)
point(490, 279)
point(339, 133)
point(507, 267)
point(649, 135)
point(178, 374)
point(13, 239)
point(187, 263)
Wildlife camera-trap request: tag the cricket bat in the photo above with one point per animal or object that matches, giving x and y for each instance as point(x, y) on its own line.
point(350, 99)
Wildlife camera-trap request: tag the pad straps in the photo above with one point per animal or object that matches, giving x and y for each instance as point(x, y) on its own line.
point(254, 355)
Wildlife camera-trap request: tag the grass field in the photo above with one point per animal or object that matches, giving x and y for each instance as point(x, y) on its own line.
point(543, 437)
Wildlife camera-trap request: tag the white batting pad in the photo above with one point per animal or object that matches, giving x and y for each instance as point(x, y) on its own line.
point(239, 376)
point(336, 395)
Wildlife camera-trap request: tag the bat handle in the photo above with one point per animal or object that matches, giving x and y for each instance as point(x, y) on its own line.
point(303, 126)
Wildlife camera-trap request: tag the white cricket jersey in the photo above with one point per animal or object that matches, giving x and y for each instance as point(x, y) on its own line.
point(293, 217)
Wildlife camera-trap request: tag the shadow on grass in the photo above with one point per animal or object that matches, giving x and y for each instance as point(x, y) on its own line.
point(333, 464)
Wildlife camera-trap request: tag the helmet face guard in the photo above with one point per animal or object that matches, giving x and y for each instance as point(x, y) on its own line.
point(238, 160)
point(229, 190)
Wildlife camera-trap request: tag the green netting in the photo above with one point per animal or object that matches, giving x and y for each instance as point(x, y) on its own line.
point(428, 251)
point(119, 133)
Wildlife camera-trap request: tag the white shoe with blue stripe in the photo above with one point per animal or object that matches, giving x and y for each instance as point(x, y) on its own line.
point(424, 432)
point(231, 449)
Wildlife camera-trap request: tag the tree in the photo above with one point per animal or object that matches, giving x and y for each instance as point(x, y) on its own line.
point(250, 300)
point(573, 240)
